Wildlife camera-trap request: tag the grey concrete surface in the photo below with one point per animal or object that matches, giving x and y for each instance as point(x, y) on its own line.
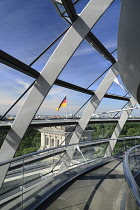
point(96, 190)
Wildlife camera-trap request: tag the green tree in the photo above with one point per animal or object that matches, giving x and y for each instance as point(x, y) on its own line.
point(30, 142)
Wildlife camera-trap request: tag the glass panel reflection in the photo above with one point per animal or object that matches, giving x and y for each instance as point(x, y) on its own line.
point(12, 188)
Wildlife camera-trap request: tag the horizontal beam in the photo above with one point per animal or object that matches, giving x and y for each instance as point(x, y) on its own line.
point(86, 91)
point(25, 69)
point(12, 62)
point(100, 47)
point(62, 122)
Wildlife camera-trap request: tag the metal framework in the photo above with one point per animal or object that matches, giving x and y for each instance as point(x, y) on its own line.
point(79, 30)
point(90, 109)
point(119, 126)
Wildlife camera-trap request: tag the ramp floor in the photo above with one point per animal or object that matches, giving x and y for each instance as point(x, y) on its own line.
point(100, 189)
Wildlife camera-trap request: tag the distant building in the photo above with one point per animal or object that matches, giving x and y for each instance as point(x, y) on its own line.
point(54, 136)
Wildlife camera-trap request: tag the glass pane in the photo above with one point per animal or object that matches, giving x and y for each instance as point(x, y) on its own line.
point(135, 114)
point(130, 129)
point(109, 108)
point(24, 33)
point(12, 188)
point(39, 170)
point(30, 143)
point(12, 86)
point(134, 164)
point(41, 62)
point(97, 81)
point(119, 148)
point(78, 157)
point(106, 29)
point(74, 99)
point(80, 5)
point(61, 8)
point(3, 134)
point(117, 88)
point(85, 61)
point(102, 130)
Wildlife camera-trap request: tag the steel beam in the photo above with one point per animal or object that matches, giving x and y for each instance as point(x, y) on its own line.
point(16, 101)
point(86, 91)
point(69, 86)
point(93, 41)
point(85, 118)
point(70, 10)
point(100, 47)
point(24, 68)
point(48, 123)
point(42, 53)
point(119, 127)
point(62, 54)
point(9, 60)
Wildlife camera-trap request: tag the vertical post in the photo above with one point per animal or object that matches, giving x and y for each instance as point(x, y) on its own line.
point(66, 106)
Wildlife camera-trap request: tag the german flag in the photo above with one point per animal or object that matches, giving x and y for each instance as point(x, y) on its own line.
point(62, 104)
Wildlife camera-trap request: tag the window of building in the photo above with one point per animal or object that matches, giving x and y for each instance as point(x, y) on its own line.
point(52, 140)
point(47, 141)
point(57, 142)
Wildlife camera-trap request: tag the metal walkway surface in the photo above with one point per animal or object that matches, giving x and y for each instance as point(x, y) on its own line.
point(96, 190)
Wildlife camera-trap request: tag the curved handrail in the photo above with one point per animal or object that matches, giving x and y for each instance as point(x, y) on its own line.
point(62, 146)
point(130, 178)
point(50, 150)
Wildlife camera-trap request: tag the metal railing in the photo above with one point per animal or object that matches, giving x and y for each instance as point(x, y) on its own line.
point(131, 166)
point(33, 177)
point(37, 174)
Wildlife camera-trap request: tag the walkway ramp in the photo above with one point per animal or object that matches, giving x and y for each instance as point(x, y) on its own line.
point(100, 189)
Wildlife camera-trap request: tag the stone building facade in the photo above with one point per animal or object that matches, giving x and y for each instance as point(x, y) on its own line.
point(56, 135)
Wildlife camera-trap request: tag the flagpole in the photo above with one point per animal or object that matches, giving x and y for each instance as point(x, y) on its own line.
point(66, 106)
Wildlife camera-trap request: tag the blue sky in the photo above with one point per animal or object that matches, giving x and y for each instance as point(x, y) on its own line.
point(27, 28)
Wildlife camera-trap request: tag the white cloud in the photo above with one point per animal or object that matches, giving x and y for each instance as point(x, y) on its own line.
point(110, 44)
point(59, 91)
point(25, 84)
point(7, 100)
point(84, 51)
point(87, 50)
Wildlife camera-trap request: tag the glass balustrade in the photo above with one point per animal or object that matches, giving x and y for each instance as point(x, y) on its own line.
point(36, 176)
point(132, 174)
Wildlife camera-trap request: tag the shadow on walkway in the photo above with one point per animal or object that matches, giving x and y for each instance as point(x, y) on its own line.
point(97, 189)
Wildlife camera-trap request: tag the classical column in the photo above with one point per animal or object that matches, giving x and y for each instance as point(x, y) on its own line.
point(43, 141)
